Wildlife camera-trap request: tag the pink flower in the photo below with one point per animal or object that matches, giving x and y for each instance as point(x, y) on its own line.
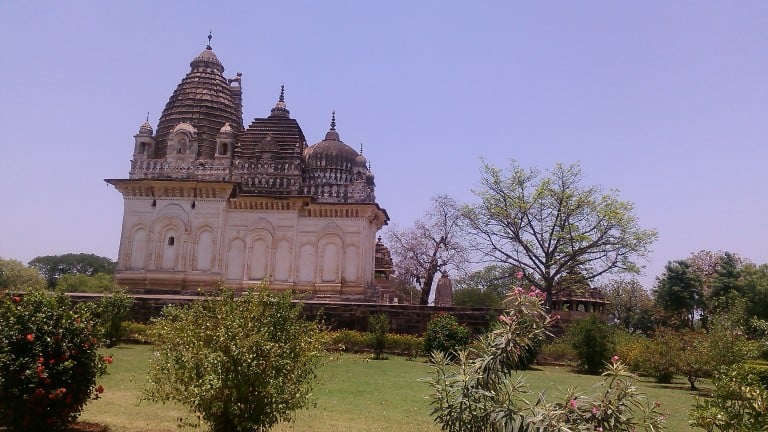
point(31, 337)
point(615, 359)
point(595, 410)
point(519, 275)
point(573, 403)
point(599, 429)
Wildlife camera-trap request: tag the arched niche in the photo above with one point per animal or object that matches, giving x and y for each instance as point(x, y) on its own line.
point(307, 263)
point(235, 262)
point(138, 248)
point(204, 248)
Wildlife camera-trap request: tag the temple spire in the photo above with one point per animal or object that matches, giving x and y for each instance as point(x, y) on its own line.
point(280, 109)
point(210, 36)
point(333, 121)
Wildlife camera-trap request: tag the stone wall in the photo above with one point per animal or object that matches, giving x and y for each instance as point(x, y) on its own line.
point(404, 319)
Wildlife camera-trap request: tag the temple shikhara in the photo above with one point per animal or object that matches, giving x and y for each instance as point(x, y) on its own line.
point(209, 200)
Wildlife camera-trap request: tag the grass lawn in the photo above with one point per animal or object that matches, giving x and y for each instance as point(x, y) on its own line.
point(354, 394)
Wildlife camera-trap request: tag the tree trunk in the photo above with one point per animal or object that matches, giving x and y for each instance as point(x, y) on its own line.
point(429, 277)
point(426, 289)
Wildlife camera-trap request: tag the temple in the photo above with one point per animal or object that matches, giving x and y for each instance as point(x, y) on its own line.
point(209, 201)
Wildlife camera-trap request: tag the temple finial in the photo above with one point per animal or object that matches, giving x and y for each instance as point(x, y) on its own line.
point(147, 116)
point(210, 36)
point(282, 93)
point(333, 121)
point(361, 148)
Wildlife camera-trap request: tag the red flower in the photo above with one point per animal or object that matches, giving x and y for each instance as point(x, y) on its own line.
point(107, 359)
point(40, 360)
point(16, 299)
point(31, 337)
point(99, 389)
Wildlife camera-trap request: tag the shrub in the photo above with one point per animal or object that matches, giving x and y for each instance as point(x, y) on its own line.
point(629, 347)
point(592, 340)
point(240, 364)
point(480, 394)
point(557, 351)
point(134, 332)
point(349, 341)
point(658, 357)
point(403, 344)
point(111, 311)
point(355, 342)
point(445, 334)
point(378, 325)
point(48, 361)
point(739, 403)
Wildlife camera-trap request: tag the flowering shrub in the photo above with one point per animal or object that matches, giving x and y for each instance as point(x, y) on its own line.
point(480, 393)
point(239, 363)
point(48, 361)
point(445, 334)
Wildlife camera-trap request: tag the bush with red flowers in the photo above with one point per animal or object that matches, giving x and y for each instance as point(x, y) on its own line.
point(48, 361)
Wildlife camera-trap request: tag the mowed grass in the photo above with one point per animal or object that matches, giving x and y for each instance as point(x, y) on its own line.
point(353, 393)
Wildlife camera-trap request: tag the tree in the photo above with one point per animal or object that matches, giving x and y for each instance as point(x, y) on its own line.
point(548, 224)
point(486, 287)
point(475, 297)
point(430, 246)
point(754, 281)
point(240, 364)
point(51, 267)
point(678, 292)
point(628, 304)
point(98, 283)
point(14, 275)
point(726, 289)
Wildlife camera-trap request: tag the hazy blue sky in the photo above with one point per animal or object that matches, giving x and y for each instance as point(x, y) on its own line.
point(665, 101)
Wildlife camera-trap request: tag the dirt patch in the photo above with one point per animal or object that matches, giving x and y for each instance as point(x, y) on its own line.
point(88, 427)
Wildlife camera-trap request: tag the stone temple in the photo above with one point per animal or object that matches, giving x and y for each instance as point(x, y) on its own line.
point(209, 200)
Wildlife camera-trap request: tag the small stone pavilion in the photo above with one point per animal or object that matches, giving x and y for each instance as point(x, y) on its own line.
point(209, 200)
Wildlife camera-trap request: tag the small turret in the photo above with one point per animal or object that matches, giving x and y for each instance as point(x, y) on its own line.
point(144, 141)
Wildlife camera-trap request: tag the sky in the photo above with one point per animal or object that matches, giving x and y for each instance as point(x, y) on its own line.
point(666, 102)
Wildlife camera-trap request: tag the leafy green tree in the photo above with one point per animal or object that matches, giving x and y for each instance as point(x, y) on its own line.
point(548, 224)
point(629, 305)
point(79, 282)
point(52, 267)
point(726, 288)
point(476, 297)
point(678, 292)
point(754, 282)
point(14, 275)
point(240, 364)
